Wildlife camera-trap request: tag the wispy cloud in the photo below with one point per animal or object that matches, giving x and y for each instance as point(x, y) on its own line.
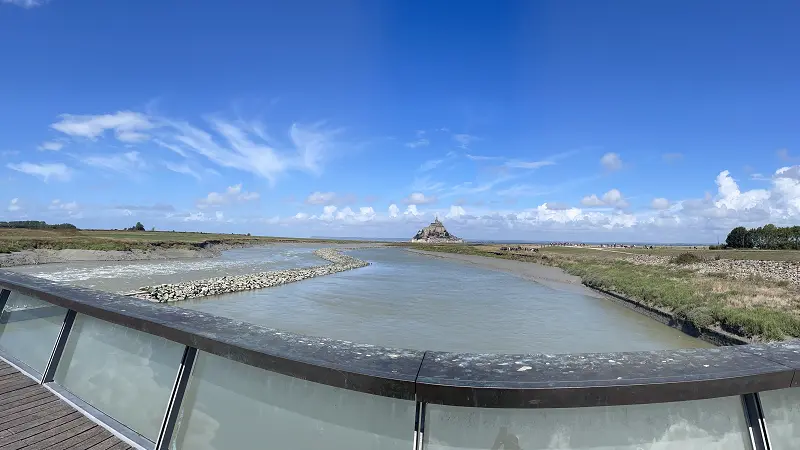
point(127, 163)
point(672, 157)
point(52, 146)
point(515, 164)
point(233, 194)
point(465, 140)
point(430, 165)
point(420, 141)
point(46, 171)
point(239, 144)
point(128, 126)
point(482, 157)
point(321, 198)
point(25, 3)
point(182, 169)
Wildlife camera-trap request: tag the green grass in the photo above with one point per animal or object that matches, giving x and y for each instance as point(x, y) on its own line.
point(742, 307)
point(14, 240)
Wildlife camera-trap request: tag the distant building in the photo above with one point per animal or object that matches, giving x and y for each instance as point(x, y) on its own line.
point(435, 233)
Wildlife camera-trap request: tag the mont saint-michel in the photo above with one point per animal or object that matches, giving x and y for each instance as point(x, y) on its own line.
point(435, 233)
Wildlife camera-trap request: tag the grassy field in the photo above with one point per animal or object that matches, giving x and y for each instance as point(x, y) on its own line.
point(15, 239)
point(753, 308)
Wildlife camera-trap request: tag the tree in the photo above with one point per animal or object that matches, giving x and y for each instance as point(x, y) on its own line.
point(739, 237)
point(139, 226)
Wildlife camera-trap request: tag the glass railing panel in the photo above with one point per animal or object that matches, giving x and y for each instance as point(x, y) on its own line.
point(29, 329)
point(715, 424)
point(782, 417)
point(230, 405)
point(126, 374)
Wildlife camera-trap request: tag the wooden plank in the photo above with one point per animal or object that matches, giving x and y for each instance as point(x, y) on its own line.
point(52, 423)
point(13, 413)
point(77, 441)
point(22, 393)
point(15, 386)
point(37, 418)
point(65, 433)
point(42, 436)
point(44, 432)
point(17, 379)
point(121, 446)
point(28, 413)
point(102, 436)
point(106, 445)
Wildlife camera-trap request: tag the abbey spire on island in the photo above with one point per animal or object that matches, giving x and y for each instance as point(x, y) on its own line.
point(435, 233)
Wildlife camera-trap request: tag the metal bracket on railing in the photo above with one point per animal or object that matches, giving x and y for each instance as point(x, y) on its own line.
point(755, 422)
point(58, 349)
point(175, 400)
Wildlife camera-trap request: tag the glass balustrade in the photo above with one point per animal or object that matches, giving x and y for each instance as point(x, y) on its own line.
point(230, 405)
point(715, 424)
point(126, 374)
point(29, 329)
point(782, 416)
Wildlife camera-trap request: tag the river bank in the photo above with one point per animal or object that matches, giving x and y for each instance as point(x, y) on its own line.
point(224, 285)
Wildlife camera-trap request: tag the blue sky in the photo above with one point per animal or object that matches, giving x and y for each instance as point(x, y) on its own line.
point(626, 120)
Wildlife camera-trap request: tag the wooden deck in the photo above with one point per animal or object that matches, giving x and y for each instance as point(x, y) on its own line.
point(31, 417)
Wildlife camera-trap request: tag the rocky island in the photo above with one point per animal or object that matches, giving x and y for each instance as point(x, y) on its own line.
point(435, 233)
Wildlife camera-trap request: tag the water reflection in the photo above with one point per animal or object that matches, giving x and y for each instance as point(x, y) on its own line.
point(715, 424)
point(124, 373)
point(230, 405)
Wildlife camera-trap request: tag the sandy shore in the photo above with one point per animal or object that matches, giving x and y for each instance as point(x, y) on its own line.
point(45, 256)
point(550, 276)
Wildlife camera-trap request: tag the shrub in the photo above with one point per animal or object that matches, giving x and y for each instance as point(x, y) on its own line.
point(687, 258)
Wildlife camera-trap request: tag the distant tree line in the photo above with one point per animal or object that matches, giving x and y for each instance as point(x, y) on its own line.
point(137, 227)
point(766, 237)
point(37, 225)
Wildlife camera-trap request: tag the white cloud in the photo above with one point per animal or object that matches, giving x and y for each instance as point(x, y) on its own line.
point(418, 198)
point(556, 206)
point(233, 194)
point(220, 216)
point(611, 161)
point(127, 163)
point(411, 210)
point(422, 142)
point(56, 171)
point(127, 125)
point(455, 212)
point(26, 3)
point(394, 211)
point(52, 146)
point(515, 164)
point(183, 169)
point(328, 212)
point(430, 165)
point(59, 205)
point(464, 140)
point(482, 157)
point(660, 203)
point(320, 198)
point(612, 198)
point(301, 216)
point(14, 205)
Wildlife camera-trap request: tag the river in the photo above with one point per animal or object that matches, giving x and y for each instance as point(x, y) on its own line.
point(402, 300)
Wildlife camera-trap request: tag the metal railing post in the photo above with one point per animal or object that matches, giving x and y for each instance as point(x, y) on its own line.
point(755, 422)
point(419, 425)
point(176, 398)
point(4, 294)
point(58, 348)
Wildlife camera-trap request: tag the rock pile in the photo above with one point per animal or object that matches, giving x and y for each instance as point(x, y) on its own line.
point(223, 285)
point(734, 268)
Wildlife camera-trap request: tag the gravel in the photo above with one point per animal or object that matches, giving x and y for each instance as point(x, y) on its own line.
point(223, 285)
